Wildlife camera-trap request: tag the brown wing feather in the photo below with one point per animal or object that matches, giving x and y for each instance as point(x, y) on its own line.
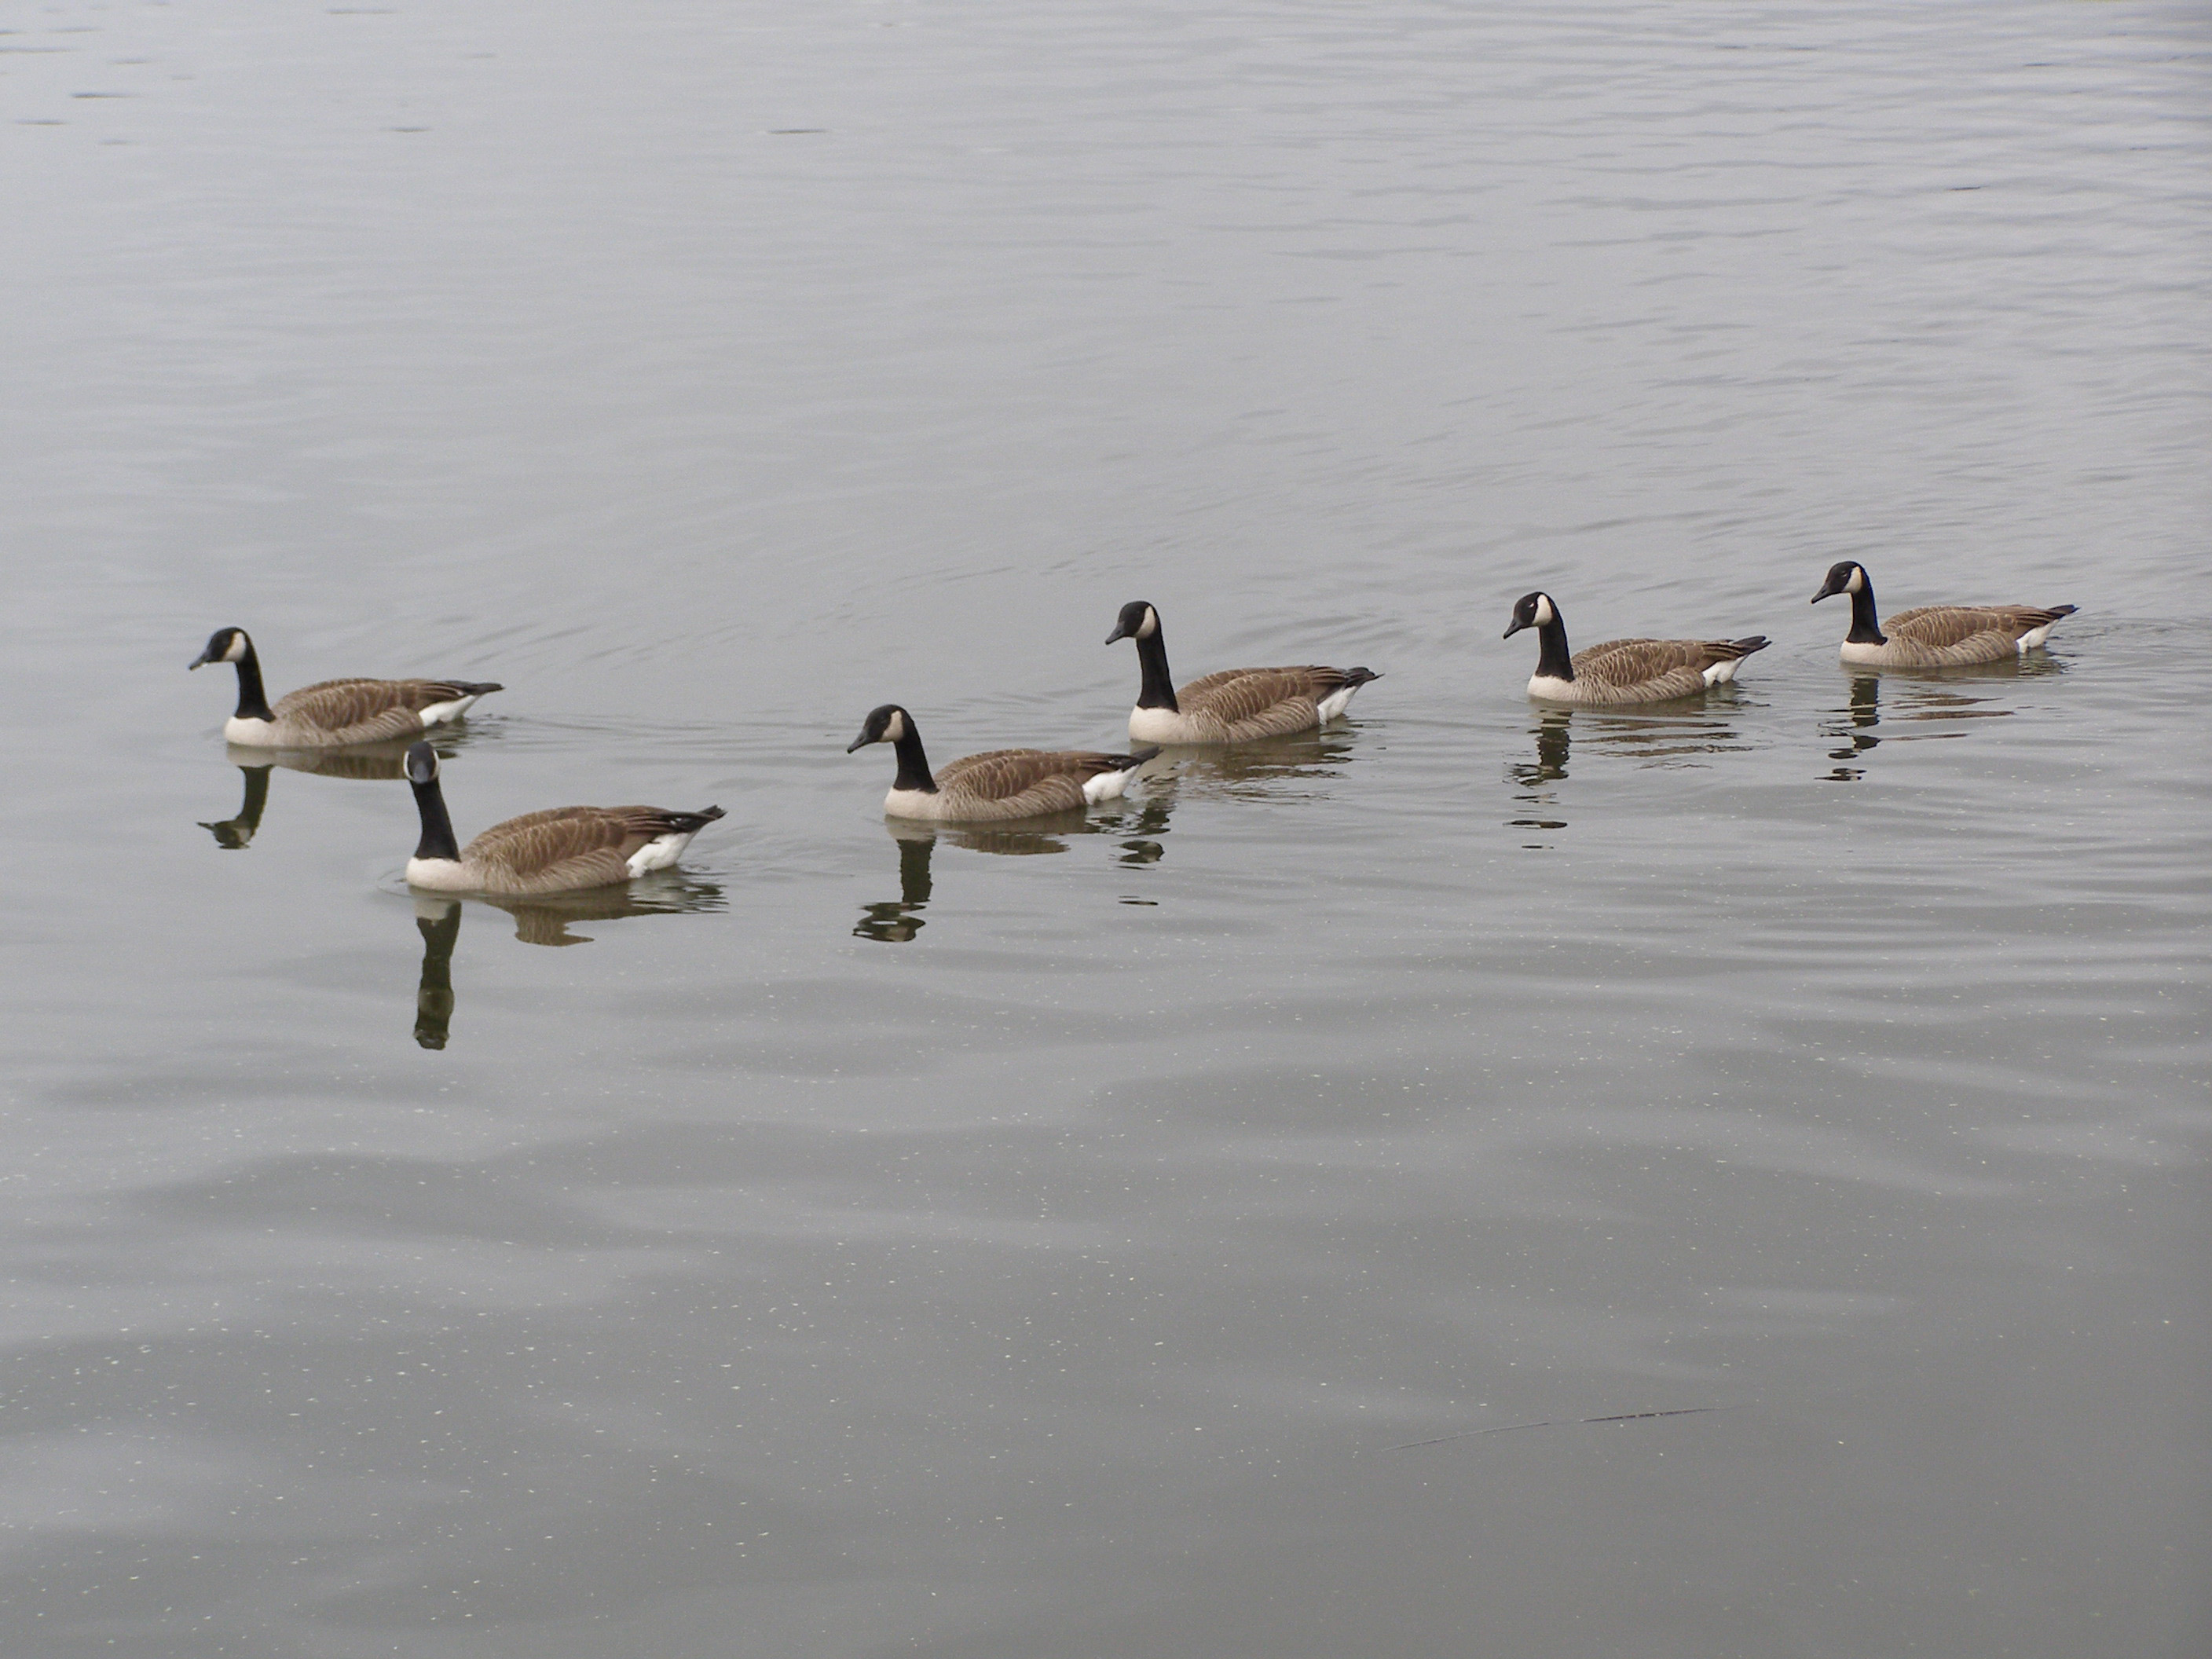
point(1247, 703)
point(1023, 782)
point(364, 711)
point(564, 847)
point(1941, 625)
point(1651, 670)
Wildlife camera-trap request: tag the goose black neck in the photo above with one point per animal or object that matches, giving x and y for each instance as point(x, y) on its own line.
point(1553, 662)
point(252, 701)
point(1866, 627)
point(437, 840)
point(914, 771)
point(1157, 691)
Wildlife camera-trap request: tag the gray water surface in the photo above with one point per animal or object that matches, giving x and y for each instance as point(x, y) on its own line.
point(1116, 1236)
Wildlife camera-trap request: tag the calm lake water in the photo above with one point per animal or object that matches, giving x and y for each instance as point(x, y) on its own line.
point(1111, 1237)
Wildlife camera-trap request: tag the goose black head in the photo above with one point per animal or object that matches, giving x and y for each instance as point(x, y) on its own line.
point(422, 764)
point(885, 724)
point(224, 645)
point(1534, 611)
point(1138, 621)
point(1846, 577)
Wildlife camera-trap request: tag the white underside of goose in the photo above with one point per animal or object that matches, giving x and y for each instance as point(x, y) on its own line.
point(2033, 637)
point(1552, 689)
point(1721, 674)
point(1109, 786)
point(1335, 703)
point(660, 851)
point(438, 713)
point(1858, 650)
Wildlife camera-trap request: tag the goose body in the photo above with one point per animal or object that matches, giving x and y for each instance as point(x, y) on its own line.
point(1000, 783)
point(333, 713)
point(1238, 705)
point(1623, 670)
point(558, 851)
point(1934, 635)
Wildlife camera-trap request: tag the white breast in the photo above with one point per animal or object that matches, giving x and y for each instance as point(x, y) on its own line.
point(1156, 725)
point(1552, 689)
point(1859, 651)
point(440, 875)
point(910, 804)
point(250, 732)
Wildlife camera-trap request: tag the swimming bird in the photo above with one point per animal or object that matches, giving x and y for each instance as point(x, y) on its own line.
point(1238, 705)
point(1000, 783)
point(1623, 670)
point(333, 712)
point(1934, 635)
point(557, 851)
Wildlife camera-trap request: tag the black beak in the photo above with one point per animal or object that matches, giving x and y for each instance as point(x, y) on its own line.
point(1826, 593)
point(1119, 633)
point(857, 744)
point(201, 661)
point(1513, 628)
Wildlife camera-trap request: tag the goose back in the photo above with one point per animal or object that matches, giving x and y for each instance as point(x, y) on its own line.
point(1018, 783)
point(1243, 705)
point(565, 848)
point(354, 711)
point(1954, 635)
point(1647, 670)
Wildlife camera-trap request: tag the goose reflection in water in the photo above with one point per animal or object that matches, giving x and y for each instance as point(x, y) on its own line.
point(366, 762)
point(544, 920)
point(1554, 739)
point(1929, 696)
point(1252, 771)
point(439, 921)
point(897, 922)
point(1648, 736)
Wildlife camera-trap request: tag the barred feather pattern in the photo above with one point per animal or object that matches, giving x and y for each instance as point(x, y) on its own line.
point(1644, 670)
point(1008, 783)
point(1243, 704)
point(1954, 635)
point(333, 712)
point(565, 847)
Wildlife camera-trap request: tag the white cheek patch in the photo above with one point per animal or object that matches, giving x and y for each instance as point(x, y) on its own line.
point(1544, 610)
point(1151, 624)
point(895, 729)
point(237, 652)
point(1857, 583)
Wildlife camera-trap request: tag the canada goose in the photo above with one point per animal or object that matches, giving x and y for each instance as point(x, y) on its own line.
point(1934, 635)
point(1002, 783)
point(333, 711)
point(557, 851)
point(1623, 670)
point(1238, 705)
